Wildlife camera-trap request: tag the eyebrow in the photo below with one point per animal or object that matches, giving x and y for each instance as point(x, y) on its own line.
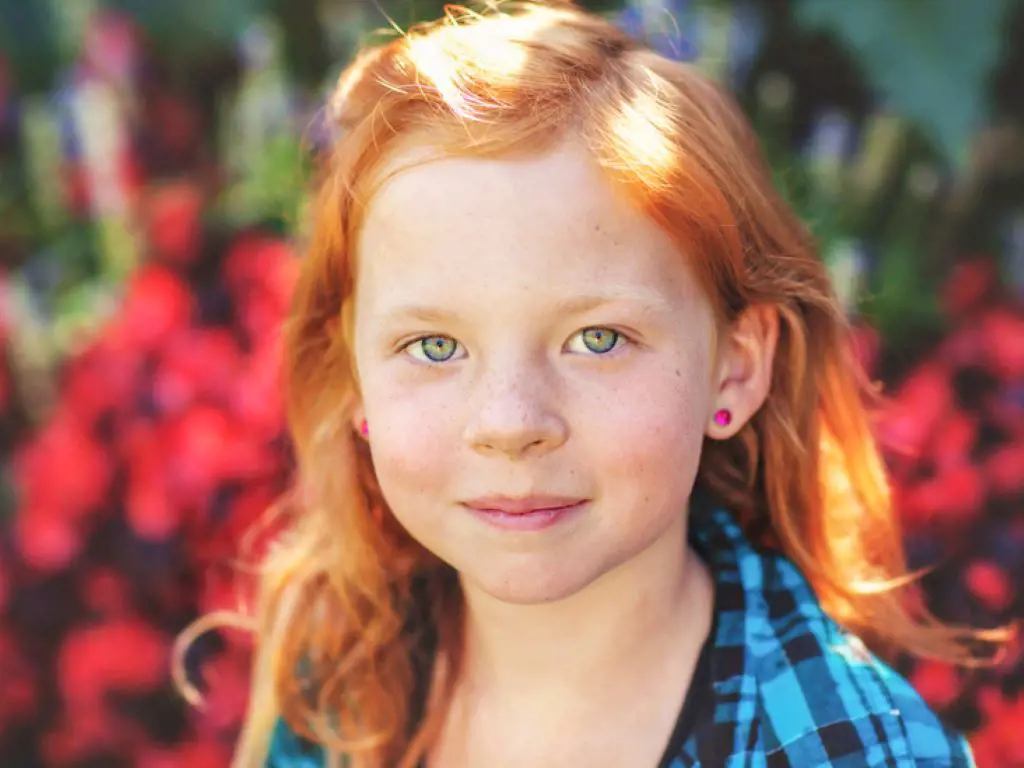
point(576, 305)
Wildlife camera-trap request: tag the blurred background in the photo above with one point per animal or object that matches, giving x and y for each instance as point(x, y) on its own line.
point(154, 159)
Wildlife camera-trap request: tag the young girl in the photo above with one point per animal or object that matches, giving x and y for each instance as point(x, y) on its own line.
point(585, 474)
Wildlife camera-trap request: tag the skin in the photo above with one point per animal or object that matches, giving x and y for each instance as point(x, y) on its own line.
point(581, 638)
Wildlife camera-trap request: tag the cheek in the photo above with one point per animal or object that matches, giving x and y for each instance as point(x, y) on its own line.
point(654, 429)
point(412, 440)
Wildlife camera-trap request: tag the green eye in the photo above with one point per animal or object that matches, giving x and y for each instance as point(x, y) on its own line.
point(600, 340)
point(435, 349)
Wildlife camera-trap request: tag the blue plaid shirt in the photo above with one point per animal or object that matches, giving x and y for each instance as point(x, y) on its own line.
point(790, 687)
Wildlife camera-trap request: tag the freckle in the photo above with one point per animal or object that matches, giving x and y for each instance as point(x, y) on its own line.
point(679, 374)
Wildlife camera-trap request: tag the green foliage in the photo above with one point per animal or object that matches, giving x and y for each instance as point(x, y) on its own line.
point(928, 59)
point(273, 189)
point(27, 43)
point(190, 27)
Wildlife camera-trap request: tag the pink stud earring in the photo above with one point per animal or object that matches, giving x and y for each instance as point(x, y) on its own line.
point(723, 418)
point(364, 428)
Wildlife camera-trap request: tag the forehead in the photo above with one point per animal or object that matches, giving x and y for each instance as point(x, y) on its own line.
point(549, 224)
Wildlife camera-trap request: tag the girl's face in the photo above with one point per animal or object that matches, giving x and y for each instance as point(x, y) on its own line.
point(526, 340)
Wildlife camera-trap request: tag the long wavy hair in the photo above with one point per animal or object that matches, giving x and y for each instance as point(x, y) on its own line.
point(349, 606)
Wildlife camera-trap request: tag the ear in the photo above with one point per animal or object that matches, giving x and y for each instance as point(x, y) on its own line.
point(744, 369)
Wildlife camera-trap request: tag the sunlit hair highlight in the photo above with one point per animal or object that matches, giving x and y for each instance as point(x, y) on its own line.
point(337, 651)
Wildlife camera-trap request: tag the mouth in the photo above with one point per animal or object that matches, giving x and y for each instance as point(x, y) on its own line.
point(524, 505)
point(530, 513)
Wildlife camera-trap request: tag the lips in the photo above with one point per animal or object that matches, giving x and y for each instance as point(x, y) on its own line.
point(525, 514)
point(524, 505)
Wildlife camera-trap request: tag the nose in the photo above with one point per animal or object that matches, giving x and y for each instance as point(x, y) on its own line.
point(515, 416)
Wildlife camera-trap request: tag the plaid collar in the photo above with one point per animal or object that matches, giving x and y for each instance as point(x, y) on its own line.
point(791, 687)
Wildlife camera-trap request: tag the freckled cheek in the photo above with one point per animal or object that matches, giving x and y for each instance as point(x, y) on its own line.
point(655, 431)
point(412, 439)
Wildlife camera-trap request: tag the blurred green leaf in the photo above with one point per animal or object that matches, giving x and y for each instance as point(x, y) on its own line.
point(929, 61)
point(189, 26)
point(27, 42)
point(274, 187)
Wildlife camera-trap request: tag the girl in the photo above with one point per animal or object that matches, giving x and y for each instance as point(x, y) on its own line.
point(585, 475)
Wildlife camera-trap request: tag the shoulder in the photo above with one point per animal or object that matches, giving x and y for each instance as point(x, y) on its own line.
point(826, 700)
point(793, 685)
point(288, 750)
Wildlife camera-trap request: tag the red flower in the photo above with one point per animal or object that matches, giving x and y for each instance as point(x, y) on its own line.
point(938, 683)
point(261, 273)
point(916, 408)
point(964, 347)
point(196, 450)
point(122, 654)
point(156, 306)
point(64, 469)
point(1003, 332)
point(990, 584)
point(103, 378)
point(196, 754)
point(203, 362)
point(175, 228)
point(1004, 469)
point(226, 693)
point(951, 499)
point(1005, 728)
point(260, 313)
point(954, 438)
point(259, 260)
point(151, 510)
point(965, 490)
point(46, 541)
point(258, 397)
point(968, 286)
point(174, 386)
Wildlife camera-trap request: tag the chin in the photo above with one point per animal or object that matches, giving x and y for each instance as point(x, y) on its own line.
point(532, 585)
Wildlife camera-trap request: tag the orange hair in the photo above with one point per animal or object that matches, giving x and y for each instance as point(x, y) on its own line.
point(335, 655)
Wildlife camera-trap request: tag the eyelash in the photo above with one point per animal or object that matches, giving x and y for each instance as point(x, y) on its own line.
point(622, 339)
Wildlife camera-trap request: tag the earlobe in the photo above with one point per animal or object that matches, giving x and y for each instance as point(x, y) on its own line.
point(721, 426)
point(746, 371)
point(359, 423)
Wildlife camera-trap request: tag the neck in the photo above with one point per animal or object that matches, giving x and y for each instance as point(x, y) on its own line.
point(623, 627)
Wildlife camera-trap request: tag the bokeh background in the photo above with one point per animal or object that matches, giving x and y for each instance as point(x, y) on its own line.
point(154, 159)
